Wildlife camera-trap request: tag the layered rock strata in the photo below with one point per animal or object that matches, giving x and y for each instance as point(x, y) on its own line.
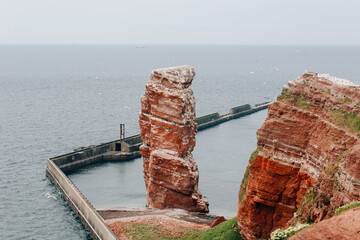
point(168, 129)
point(307, 162)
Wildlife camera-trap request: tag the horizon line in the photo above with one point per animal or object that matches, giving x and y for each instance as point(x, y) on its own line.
point(196, 44)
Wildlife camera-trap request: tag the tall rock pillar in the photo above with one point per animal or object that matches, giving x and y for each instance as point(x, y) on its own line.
point(168, 129)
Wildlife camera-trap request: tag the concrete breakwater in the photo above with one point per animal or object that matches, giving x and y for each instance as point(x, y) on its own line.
point(118, 150)
point(78, 202)
point(128, 148)
point(236, 112)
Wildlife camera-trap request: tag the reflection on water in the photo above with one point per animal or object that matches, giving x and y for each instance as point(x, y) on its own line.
point(222, 153)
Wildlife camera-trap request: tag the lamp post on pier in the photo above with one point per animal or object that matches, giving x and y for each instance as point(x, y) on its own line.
point(122, 131)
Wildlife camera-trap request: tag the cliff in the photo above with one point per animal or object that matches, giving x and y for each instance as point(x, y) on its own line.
point(168, 129)
point(307, 162)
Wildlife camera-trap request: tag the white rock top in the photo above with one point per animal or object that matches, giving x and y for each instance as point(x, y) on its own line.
point(335, 80)
point(180, 76)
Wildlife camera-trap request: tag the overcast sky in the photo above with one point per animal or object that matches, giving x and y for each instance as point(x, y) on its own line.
point(180, 21)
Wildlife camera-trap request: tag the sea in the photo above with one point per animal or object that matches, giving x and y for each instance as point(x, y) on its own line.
point(55, 98)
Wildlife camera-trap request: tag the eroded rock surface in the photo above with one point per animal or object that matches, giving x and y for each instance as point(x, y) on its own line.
point(345, 226)
point(168, 129)
point(307, 160)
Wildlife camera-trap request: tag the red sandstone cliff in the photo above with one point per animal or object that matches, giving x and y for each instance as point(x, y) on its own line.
point(307, 163)
point(168, 129)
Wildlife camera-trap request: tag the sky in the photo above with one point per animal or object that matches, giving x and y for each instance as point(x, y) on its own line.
point(324, 22)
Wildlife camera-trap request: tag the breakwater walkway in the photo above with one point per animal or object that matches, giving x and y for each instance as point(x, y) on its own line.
point(118, 150)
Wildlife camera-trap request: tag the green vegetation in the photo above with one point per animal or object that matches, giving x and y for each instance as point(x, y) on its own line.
point(253, 155)
point(139, 231)
point(299, 101)
point(227, 230)
point(245, 180)
point(332, 169)
point(347, 207)
point(347, 100)
point(280, 234)
point(315, 198)
point(346, 119)
point(285, 94)
point(306, 206)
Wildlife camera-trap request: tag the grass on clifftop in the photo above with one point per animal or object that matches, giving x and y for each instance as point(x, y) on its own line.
point(143, 231)
point(341, 117)
point(299, 101)
point(346, 207)
point(285, 95)
point(227, 230)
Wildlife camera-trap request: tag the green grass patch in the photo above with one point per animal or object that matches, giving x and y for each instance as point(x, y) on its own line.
point(286, 94)
point(299, 101)
point(142, 231)
point(245, 179)
point(253, 155)
point(347, 207)
point(346, 119)
point(227, 230)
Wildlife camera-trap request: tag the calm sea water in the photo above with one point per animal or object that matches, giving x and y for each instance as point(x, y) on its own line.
point(54, 98)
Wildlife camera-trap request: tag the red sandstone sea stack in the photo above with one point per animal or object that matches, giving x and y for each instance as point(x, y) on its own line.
point(168, 129)
point(308, 159)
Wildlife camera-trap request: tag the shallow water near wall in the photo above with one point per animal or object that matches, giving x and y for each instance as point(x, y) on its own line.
point(54, 98)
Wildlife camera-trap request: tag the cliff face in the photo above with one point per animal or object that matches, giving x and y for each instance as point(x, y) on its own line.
point(168, 129)
point(307, 162)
